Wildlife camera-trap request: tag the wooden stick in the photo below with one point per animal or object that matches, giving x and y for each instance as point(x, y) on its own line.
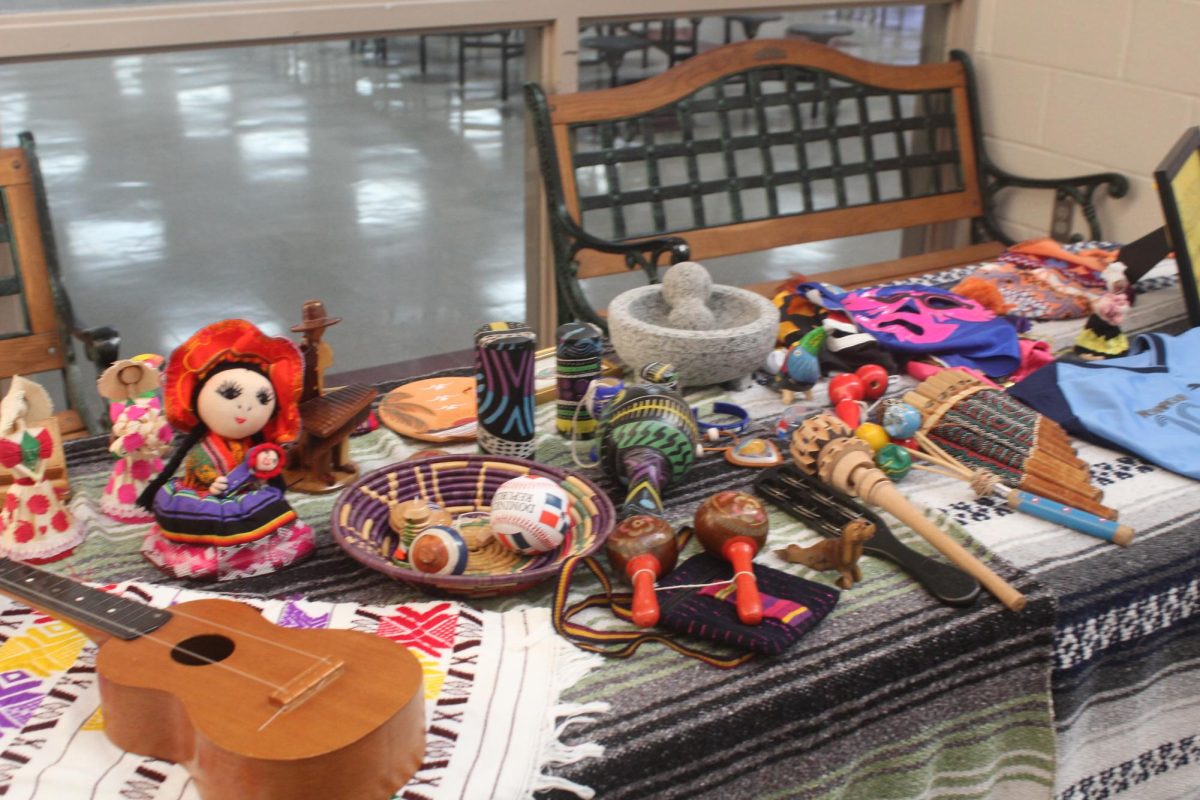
point(848, 468)
point(869, 483)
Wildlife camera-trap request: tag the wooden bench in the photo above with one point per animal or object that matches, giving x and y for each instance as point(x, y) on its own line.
point(37, 322)
point(767, 143)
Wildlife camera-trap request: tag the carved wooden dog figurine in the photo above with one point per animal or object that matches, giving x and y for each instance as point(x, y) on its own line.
point(841, 553)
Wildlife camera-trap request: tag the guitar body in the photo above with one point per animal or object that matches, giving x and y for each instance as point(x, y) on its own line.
point(205, 690)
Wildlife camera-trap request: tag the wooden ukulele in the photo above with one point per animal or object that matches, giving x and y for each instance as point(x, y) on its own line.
point(253, 711)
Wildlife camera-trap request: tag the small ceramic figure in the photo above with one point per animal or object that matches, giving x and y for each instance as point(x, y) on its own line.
point(841, 554)
point(229, 388)
point(140, 434)
point(35, 526)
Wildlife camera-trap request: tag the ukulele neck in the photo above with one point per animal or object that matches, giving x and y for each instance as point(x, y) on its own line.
point(72, 601)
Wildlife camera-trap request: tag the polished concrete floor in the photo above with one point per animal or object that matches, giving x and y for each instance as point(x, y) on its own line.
point(187, 187)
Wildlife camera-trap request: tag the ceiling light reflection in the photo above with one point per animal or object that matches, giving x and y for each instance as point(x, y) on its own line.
point(388, 202)
point(99, 244)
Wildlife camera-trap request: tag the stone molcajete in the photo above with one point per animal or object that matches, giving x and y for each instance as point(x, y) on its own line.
point(710, 333)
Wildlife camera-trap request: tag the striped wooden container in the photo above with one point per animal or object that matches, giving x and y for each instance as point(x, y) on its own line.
point(461, 484)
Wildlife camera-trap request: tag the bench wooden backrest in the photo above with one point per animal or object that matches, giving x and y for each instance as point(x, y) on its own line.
point(31, 340)
point(632, 154)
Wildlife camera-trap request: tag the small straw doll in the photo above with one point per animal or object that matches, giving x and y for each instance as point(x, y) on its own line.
point(35, 525)
point(140, 434)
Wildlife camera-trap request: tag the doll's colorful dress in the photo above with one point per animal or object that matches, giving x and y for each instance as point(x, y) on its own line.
point(35, 526)
point(250, 529)
point(141, 434)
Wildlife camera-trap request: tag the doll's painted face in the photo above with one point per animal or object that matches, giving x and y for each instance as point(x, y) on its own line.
point(236, 403)
point(267, 461)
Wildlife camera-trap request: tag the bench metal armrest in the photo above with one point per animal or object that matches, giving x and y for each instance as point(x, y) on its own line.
point(101, 344)
point(1080, 189)
point(644, 254)
point(569, 238)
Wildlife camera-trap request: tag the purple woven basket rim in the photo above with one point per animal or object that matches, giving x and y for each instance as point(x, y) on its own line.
point(603, 523)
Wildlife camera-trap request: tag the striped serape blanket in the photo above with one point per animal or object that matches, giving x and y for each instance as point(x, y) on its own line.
point(1091, 692)
point(491, 683)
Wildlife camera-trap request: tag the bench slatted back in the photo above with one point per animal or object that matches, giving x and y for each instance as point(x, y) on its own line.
point(794, 165)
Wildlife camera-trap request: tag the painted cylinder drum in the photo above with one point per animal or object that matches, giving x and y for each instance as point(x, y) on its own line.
point(580, 346)
point(504, 388)
point(648, 439)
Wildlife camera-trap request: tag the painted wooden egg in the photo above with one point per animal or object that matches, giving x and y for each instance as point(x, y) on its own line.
point(900, 419)
point(894, 461)
point(802, 366)
point(873, 435)
point(530, 514)
point(439, 550)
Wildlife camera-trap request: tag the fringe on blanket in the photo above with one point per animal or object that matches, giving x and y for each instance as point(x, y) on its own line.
point(571, 665)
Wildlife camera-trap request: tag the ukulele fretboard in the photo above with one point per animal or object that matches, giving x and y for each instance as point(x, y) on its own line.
point(74, 602)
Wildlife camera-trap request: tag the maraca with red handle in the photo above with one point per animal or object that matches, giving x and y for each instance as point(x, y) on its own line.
point(733, 525)
point(643, 548)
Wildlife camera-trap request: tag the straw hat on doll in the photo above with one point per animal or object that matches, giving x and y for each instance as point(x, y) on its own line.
point(26, 400)
point(128, 378)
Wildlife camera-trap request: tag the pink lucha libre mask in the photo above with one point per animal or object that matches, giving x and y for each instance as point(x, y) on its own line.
point(917, 314)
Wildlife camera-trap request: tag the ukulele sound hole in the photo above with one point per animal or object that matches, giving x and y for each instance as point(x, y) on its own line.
point(200, 650)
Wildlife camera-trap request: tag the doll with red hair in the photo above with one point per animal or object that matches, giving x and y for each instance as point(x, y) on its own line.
point(234, 392)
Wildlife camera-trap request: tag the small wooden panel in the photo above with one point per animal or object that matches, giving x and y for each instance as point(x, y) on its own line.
point(29, 355)
point(326, 415)
point(682, 80)
point(14, 169)
point(27, 238)
point(818, 226)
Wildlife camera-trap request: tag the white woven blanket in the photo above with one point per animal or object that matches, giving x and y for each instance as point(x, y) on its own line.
point(492, 682)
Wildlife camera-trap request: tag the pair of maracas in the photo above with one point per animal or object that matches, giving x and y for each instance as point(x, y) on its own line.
point(648, 438)
point(731, 525)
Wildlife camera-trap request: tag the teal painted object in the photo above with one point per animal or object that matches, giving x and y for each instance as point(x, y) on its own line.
point(894, 461)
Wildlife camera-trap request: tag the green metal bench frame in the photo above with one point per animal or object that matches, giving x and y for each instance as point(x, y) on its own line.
point(588, 142)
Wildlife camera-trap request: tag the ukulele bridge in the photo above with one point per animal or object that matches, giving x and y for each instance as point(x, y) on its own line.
point(307, 683)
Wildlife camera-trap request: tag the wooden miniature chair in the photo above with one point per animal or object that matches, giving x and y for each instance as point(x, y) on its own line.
point(37, 323)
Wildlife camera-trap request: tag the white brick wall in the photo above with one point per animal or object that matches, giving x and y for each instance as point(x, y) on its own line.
point(1078, 86)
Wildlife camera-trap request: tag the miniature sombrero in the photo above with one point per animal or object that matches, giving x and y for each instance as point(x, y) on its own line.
point(115, 383)
point(235, 341)
point(37, 403)
point(314, 317)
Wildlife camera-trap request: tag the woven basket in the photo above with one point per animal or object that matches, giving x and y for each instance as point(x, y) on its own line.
point(460, 484)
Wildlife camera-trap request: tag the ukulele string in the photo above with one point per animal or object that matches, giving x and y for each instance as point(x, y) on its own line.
point(245, 634)
point(241, 633)
point(87, 614)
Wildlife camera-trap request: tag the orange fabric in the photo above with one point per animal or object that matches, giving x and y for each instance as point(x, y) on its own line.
point(1094, 259)
point(235, 340)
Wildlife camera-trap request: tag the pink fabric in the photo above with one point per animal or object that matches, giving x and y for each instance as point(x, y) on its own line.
point(207, 562)
point(920, 370)
point(1034, 355)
